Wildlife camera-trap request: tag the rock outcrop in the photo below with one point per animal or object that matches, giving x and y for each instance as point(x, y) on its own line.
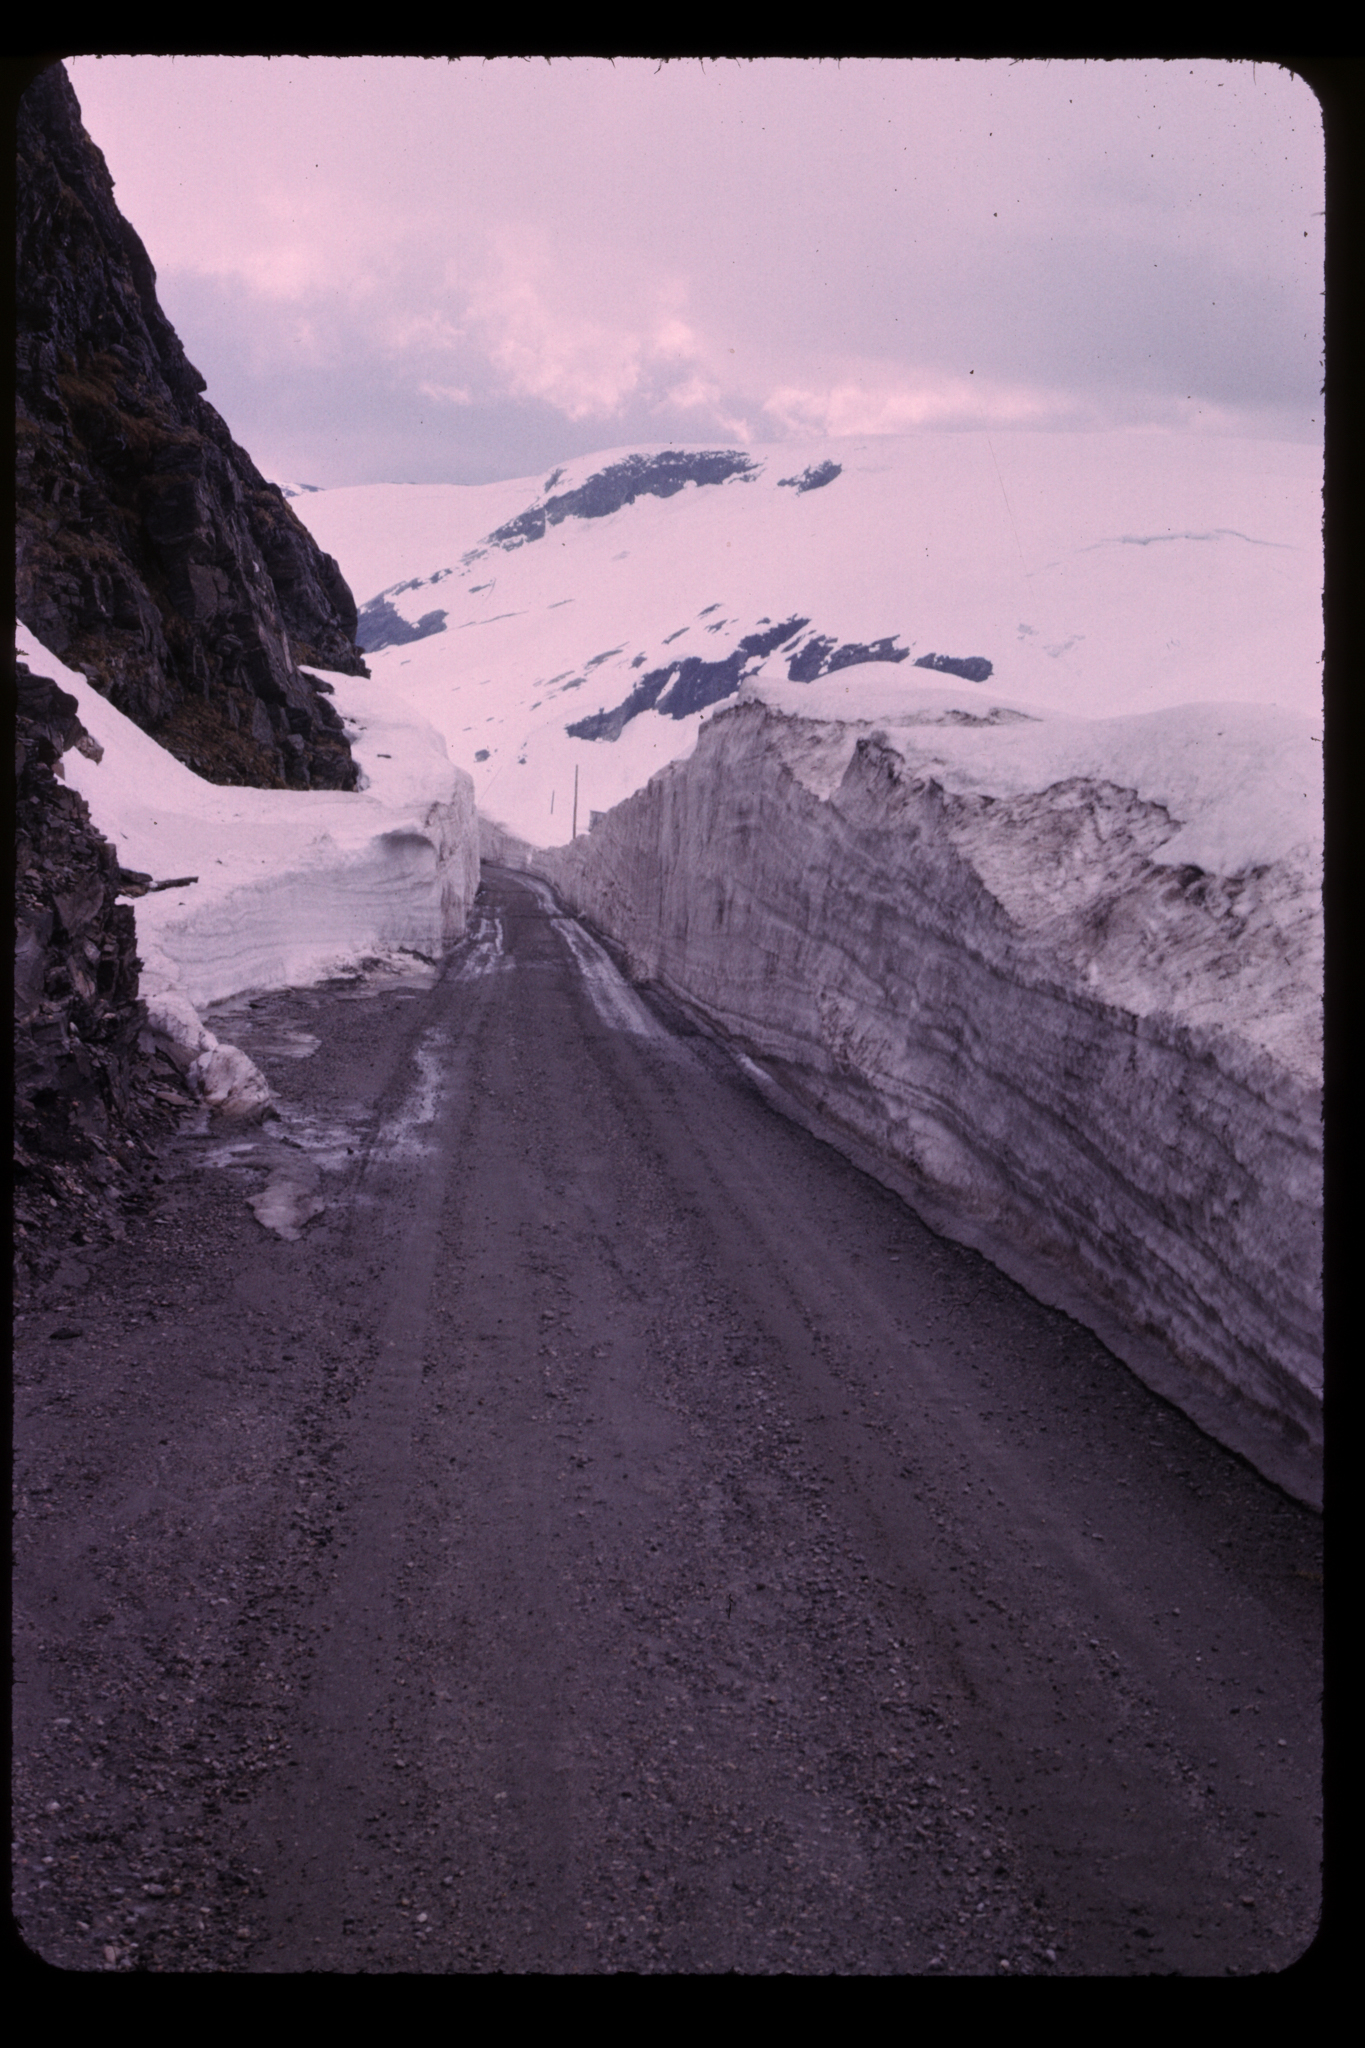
point(1101, 1070)
point(91, 1086)
point(621, 483)
point(150, 552)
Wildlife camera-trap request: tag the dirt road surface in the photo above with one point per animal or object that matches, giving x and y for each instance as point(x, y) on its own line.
point(608, 1532)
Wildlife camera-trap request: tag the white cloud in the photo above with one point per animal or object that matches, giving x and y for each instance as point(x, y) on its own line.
point(890, 403)
point(420, 330)
point(587, 334)
point(760, 249)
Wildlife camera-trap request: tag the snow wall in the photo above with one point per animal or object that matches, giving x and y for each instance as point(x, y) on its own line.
point(1101, 1070)
point(281, 887)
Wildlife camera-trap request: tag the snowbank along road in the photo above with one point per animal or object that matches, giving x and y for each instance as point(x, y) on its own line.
point(1107, 1070)
point(532, 1508)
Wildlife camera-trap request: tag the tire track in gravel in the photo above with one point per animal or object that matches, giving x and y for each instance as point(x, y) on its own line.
point(632, 1540)
point(1098, 1758)
point(394, 1211)
point(734, 1421)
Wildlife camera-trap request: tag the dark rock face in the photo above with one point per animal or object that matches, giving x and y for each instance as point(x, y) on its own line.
point(813, 479)
point(380, 625)
point(820, 657)
point(690, 684)
point(639, 476)
point(973, 668)
point(150, 552)
point(90, 1088)
point(686, 685)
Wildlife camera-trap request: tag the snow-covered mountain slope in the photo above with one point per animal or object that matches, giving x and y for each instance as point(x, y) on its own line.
point(1008, 857)
point(586, 623)
point(1099, 1064)
point(289, 885)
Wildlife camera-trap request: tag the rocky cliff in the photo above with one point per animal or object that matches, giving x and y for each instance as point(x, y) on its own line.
point(155, 558)
point(1102, 1070)
point(150, 552)
point(92, 1085)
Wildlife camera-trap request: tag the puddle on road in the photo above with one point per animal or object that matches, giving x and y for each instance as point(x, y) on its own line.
point(290, 1198)
point(294, 1151)
point(286, 1045)
point(612, 996)
point(485, 951)
point(407, 1133)
point(289, 1155)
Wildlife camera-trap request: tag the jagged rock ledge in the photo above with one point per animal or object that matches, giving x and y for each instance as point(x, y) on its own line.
point(93, 1085)
point(150, 552)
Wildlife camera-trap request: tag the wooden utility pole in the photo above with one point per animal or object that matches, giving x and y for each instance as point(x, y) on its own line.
point(574, 833)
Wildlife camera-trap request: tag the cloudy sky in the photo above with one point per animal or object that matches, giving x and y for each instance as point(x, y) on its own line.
point(399, 269)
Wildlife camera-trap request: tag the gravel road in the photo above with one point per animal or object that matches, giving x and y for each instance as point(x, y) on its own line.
point(608, 1532)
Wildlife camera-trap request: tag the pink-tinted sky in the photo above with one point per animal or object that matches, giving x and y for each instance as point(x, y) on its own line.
point(402, 269)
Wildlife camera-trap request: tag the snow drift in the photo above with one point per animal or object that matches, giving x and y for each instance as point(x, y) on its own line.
point(1074, 1010)
point(276, 888)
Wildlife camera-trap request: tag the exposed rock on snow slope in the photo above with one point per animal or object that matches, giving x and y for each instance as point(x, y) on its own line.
point(659, 474)
point(1084, 1050)
point(151, 554)
point(290, 885)
point(813, 478)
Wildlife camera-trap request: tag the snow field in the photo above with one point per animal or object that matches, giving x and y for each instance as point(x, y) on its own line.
point(1103, 576)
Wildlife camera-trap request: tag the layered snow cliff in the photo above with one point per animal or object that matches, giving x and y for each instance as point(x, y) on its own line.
point(1075, 1011)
